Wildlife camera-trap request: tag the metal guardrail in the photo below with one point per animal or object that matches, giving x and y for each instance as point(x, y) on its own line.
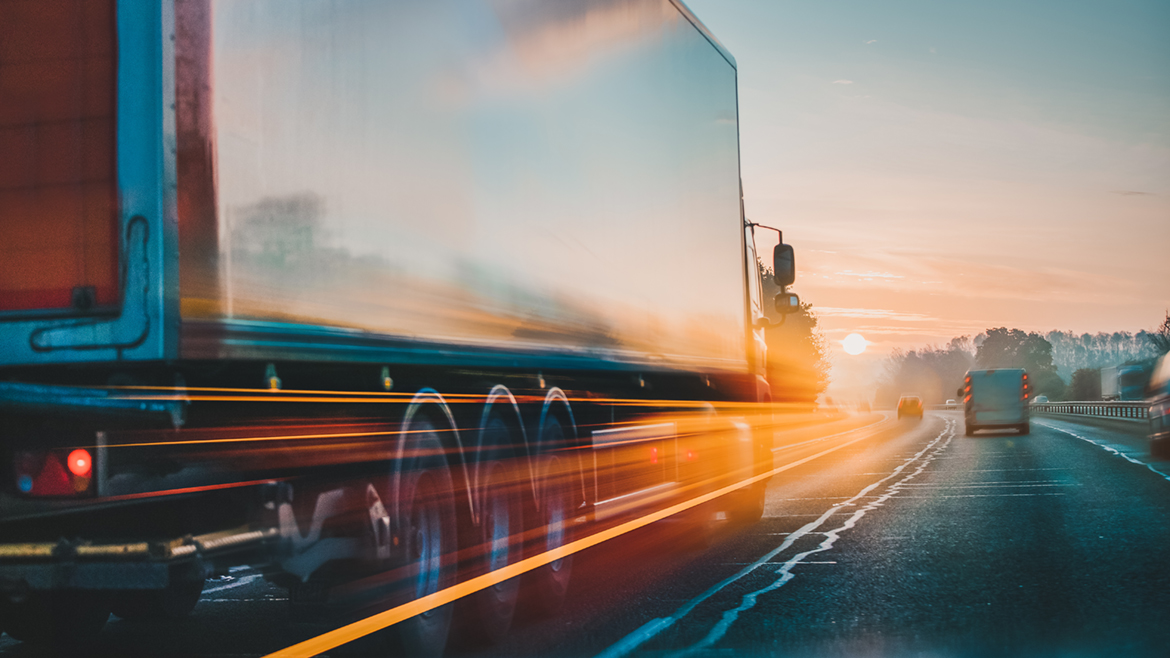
point(1138, 409)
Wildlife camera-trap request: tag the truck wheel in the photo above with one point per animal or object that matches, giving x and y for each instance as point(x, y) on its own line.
point(748, 505)
point(429, 537)
point(549, 584)
point(491, 610)
point(171, 603)
point(70, 618)
point(1160, 449)
point(1025, 428)
point(971, 429)
point(702, 525)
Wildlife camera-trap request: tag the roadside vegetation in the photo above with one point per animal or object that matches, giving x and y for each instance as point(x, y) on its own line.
point(798, 353)
point(1061, 365)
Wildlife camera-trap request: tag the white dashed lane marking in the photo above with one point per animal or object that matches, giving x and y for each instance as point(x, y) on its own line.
point(649, 630)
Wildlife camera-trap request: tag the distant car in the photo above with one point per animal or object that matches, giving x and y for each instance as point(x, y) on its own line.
point(950, 404)
point(1159, 399)
point(910, 405)
point(1040, 399)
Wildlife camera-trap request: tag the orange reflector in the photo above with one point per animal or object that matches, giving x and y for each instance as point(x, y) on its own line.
point(80, 463)
point(653, 455)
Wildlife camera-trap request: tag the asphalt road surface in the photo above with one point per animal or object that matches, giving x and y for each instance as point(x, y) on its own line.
point(900, 538)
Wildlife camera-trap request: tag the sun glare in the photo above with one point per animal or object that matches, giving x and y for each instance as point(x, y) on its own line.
point(854, 344)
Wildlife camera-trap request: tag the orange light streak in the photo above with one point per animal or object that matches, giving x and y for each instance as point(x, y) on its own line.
point(377, 622)
point(176, 492)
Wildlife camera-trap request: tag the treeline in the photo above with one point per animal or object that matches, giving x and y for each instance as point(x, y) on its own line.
point(1071, 352)
point(1061, 365)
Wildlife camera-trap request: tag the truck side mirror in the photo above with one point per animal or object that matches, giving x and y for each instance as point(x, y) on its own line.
point(787, 302)
point(783, 265)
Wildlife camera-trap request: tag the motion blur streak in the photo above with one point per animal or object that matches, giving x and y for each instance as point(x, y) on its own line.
point(374, 623)
point(291, 395)
point(186, 490)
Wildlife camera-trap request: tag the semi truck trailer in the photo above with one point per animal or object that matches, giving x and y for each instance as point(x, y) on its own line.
point(373, 297)
point(1127, 382)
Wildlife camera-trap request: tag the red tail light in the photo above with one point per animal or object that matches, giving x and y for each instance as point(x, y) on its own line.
point(653, 455)
point(80, 463)
point(40, 473)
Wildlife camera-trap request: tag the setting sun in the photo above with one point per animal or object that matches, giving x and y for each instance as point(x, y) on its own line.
point(854, 344)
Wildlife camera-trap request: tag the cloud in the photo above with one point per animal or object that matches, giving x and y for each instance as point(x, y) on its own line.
point(877, 313)
point(870, 275)
point(842, 82)
point(1131, 193)
point(869, 42)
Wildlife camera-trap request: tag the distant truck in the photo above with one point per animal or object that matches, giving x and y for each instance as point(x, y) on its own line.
point(1124, 382)
point(996, 399)
point(347, 291)
point(1159, 400)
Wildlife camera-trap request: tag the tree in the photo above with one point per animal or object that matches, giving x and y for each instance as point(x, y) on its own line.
point(1085, 385)
point(1159, 338)
point(1071, 352)
point(798, 367)
point(798, 358)
point(933, 373)
point(1013, 348)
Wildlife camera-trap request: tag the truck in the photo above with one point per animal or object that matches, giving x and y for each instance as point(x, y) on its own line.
point(371, 297)
point(1159, 401)
point(1124, 382)
point(996, 399)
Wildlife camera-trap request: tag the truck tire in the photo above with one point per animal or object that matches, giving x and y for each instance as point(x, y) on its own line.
point(171, 603)
point(1160, 448)
point(65, 619)
point(748, 507)
point(971, 429)
point(490, 611)
point(1024, 429)
point(548, 585)
point(702, 525)
point(428, 525)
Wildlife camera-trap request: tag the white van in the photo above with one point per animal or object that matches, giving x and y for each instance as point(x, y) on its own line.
point(996, 399)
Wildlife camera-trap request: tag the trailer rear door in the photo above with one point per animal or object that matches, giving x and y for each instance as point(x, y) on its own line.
point(58, 198)
point(998, 397)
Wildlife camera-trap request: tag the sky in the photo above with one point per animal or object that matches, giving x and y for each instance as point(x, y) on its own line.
point(947, 167)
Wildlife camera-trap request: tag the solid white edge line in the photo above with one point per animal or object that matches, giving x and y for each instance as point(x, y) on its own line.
point(1107, 448)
